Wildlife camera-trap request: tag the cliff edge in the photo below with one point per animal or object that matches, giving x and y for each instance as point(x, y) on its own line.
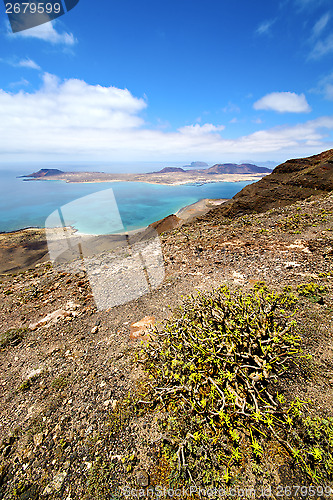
point(294, 180)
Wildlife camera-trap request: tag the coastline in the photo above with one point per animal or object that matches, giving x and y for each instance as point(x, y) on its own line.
point(25, 248)
point(185, 213)
point(181, 213)
point(169, 179)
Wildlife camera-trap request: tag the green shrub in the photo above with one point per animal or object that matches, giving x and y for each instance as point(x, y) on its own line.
point(25, 386)
point(60, 382)
point(210, 370)
point(312, 290)
point(12, 337)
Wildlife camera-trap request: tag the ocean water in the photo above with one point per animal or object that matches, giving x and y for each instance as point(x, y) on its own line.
point(30, 203)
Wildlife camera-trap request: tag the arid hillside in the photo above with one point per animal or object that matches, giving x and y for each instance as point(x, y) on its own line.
point(291, 181)
point(76, 422)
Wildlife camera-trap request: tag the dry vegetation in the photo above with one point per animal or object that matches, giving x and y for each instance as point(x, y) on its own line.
point(221, 406)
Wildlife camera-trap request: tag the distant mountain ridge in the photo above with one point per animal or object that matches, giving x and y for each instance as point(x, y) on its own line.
point(168, 170)
point(233, 168)
point(220, 168)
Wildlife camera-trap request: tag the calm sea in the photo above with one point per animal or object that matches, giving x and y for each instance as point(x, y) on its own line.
point(29, 203)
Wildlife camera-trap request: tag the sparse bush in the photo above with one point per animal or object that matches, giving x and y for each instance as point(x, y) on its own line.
point(313, 291)
point(60, 382)
point(211, 368)
point(307, 289)
point(12, 337)
point(25, 386)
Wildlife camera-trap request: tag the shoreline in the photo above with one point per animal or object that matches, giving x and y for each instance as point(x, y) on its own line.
point(174, 179)
point(23, 249)
point(200, 207)
point(185, 213)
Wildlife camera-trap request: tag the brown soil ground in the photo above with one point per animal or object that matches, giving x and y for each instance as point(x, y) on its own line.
point(63, 434)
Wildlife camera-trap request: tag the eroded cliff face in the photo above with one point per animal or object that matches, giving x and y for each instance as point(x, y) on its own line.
point(293, 180)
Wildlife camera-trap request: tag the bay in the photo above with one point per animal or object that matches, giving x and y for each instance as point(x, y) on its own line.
point(29, 203)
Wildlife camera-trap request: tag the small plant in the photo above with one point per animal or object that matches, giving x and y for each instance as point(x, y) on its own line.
point(100, 476)
point(12, 337)
point(121, 414)
point(60, 382)
point(25, 386)
point(313, 447)
point(325, 275)
point(307, 289)
point(312, 291)
point(20, 488)
point(210, 370)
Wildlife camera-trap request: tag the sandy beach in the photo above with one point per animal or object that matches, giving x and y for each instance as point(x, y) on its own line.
point(201, 207)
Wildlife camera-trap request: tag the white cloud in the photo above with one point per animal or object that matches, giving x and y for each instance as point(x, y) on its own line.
point(46, 32)
point(197, 129)
point(322, 48)
point(23, 63)
point(265, 27)
point(72, 104)
point(310, 133)
point(325, 87)
point(28, 63)
point(310, 4)
point(283, 102)
point(74, 120)
point(320, 25)
point(21, 83)
point(329, 91)
point(231, 108)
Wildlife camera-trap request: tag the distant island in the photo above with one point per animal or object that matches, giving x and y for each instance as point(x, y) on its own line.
point(224, 172)
point(44, 172)
point(197, 164)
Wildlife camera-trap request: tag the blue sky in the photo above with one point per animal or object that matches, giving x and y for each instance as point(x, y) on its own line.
point(174, 81)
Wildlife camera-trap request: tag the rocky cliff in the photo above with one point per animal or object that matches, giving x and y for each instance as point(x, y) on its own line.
point(293, 180)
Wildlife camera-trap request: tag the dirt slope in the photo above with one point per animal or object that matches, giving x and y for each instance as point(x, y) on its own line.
point(63, 433)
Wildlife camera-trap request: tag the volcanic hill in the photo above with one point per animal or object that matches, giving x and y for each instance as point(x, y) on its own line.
point(44, 172)
point(232, 168)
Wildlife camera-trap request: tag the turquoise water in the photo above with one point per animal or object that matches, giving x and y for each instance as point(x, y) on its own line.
point(29, 203)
